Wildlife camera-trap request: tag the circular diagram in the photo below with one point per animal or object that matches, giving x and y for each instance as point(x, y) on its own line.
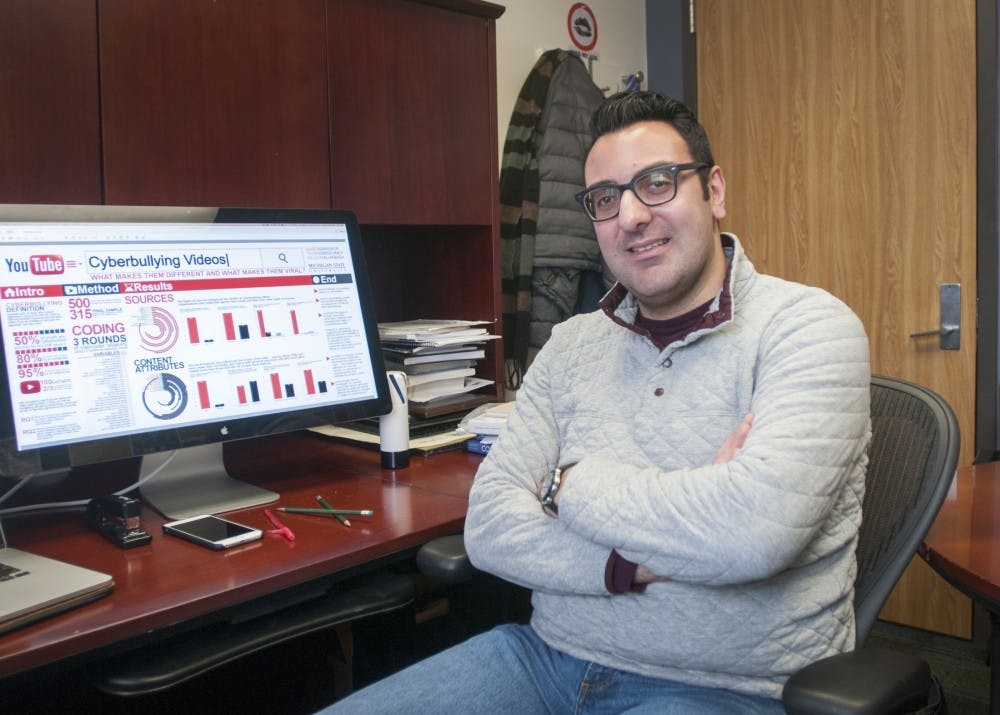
point(158, 329)
point(165, 396)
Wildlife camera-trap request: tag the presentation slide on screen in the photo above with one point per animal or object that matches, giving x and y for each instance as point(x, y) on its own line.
point(111, 329)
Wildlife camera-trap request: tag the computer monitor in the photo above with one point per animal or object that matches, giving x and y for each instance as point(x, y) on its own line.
point(166, 332)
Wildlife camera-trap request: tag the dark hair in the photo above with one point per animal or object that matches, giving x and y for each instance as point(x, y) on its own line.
point(626, 108)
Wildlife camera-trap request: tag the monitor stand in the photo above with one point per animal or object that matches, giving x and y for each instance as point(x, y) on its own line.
point(195, 482)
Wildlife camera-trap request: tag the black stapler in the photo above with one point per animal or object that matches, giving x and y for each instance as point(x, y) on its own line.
point(117, 518)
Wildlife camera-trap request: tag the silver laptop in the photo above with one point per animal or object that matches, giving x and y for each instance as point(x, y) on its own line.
point(33, 587)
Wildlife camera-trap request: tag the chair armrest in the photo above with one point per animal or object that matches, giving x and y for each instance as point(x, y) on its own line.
point(444, 560)
point(869, 681)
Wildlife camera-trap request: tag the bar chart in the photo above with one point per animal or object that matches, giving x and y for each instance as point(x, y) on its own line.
point(278, 387)
point(263, 325)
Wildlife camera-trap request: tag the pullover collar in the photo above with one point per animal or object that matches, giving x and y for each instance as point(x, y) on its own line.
point(621, 306)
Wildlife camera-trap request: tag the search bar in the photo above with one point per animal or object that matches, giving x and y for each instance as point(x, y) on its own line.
point(281, 258)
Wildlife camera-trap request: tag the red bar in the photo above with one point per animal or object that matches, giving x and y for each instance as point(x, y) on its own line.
point(241, 393)
point(193, 329)
point(227, 318)
point(203, 394)
point(295, 323)
point(275, 386)
point(310, 385)
point(260, 322)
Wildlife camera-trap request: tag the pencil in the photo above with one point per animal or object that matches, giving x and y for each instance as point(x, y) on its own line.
point(325, 512)
point(338, 517)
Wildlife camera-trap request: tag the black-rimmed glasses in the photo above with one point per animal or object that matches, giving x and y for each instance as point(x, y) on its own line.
point(652, 187)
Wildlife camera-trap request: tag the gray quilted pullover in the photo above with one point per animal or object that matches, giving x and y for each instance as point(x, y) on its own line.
point(758, 552)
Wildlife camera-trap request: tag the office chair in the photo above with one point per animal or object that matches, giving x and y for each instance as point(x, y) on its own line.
point(912, 460)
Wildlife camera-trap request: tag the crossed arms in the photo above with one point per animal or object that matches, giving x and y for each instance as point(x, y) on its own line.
point(747, 510)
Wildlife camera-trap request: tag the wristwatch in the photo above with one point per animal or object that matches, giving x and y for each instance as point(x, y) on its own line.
point(549, 490)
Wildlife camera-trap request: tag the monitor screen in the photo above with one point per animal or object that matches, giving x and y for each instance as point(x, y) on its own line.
point(143, 337)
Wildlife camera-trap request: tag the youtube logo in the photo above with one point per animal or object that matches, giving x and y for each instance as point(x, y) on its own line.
point(30, 387)
point(47, 264)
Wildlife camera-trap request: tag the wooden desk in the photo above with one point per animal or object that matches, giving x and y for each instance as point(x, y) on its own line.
point(171, 581)
point(963, 545)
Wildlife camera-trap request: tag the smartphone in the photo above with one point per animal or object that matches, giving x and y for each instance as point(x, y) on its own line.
point(212, 531)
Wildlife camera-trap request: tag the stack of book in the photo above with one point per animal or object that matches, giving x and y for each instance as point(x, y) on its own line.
point(439, 360)
point(438, 356)
point(485, 423)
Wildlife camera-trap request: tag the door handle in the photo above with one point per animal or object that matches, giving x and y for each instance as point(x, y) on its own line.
point(939, 331)
point(949, 334)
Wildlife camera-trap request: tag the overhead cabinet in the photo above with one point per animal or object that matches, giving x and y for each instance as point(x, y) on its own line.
point(384, 107)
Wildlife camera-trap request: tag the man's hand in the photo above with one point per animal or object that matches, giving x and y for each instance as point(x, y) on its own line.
point(644, 575)
point(734, 441)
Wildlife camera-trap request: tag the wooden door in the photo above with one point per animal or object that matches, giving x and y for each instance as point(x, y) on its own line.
point(847, 133)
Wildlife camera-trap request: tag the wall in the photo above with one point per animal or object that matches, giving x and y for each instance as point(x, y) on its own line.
point(530, 27)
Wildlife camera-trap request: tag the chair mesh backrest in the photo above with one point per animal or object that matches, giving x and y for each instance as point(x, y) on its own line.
point(912, 460)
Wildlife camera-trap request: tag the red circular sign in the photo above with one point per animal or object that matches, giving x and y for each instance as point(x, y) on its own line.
point(582, 26)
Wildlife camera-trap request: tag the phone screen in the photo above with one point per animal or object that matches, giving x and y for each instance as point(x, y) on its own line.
point(212, 531)
point(213, 528)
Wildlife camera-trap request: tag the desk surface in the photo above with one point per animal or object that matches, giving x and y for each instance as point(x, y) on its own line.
point(171, 581)
point(962, 544)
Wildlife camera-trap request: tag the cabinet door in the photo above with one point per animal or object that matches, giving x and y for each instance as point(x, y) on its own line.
point(412, 112)
point(49, 121)
point(215, 103)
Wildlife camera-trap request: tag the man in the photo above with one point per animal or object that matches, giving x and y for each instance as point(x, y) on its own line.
point(680, 483)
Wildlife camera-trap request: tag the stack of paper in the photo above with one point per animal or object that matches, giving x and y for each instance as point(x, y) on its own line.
point(438, 356)
point(484, 424)
point(425, 444)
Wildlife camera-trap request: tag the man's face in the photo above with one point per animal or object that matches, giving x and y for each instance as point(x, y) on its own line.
point(670, 255)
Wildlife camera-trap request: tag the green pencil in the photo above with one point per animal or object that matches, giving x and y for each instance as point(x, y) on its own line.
point(339, 517)
point(310, 510)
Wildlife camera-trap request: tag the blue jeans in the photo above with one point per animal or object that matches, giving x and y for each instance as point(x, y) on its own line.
point(511, 670)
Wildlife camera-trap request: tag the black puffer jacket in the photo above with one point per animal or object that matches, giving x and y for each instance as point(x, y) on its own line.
point(565, 246)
